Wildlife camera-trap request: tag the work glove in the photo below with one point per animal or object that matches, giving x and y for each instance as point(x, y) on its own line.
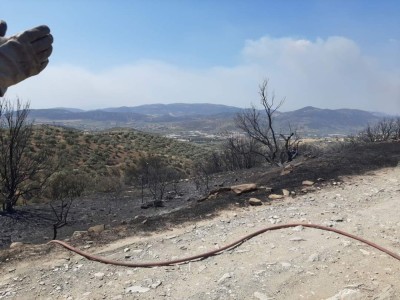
point(23, 55)
point(3, 29)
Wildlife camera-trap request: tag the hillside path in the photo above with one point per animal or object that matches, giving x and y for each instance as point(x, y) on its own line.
point(296, 263)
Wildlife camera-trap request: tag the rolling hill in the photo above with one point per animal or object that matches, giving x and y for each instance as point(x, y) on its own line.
point(210, 118)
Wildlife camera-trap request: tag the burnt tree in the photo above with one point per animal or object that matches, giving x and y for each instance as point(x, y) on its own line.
point(24, 169)
point(63, 189)
point(259, 126)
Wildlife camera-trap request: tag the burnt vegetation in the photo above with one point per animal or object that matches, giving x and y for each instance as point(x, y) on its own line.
point(385, 130)
point(53, 168)
point(24, 169)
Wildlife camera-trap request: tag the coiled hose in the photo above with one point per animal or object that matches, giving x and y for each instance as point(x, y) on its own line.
point(216, 251)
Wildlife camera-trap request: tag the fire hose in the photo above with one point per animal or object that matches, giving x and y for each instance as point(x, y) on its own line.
point(219, 250)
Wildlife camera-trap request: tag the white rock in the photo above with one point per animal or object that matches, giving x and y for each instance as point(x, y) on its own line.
point(137, 289)
point(275, 196)
point(99, 275)
point(242, 188)
point(346, 243)
point(297, 239)
point(365, 252)
point(224, 277)
point(347, 294)
point(16, 245)
point(77, 267)
point(255, 202)
point(313, 257)
point(259, 272)
point(298, 228)
point(97, 229)
point(156, 284)
point(308, 182)
point(261, 296)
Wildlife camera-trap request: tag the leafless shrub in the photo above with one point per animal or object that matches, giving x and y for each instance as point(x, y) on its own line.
point(240, 152)
point(396, 131)
point(154, 175)
point(202, 176)
point(385, 130)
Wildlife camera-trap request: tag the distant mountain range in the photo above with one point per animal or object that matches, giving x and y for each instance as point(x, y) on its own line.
point(167, 118)
point(176, 109)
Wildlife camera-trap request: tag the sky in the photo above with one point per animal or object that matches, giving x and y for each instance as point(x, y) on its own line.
point(326, 53)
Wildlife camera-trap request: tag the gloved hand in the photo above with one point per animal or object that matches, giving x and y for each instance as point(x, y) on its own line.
point(23, 55)
point(3, 29)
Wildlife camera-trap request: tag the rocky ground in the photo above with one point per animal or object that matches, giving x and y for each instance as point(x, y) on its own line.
point(297, 263)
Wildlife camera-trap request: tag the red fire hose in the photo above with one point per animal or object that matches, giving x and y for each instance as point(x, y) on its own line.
point(214, 252)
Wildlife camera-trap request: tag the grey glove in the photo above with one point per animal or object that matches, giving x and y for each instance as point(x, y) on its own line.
point(23, 55)
point(3, 29)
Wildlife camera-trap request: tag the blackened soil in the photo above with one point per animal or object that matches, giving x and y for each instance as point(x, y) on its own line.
point(122, 215)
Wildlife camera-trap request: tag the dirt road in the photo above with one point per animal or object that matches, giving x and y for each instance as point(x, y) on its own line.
point(297, 263)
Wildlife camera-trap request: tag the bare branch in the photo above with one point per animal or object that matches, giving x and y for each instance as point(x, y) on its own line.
point(22, 172)
point(260, 126)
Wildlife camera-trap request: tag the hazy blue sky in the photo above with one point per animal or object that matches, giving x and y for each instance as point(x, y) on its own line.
point(327, 53)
